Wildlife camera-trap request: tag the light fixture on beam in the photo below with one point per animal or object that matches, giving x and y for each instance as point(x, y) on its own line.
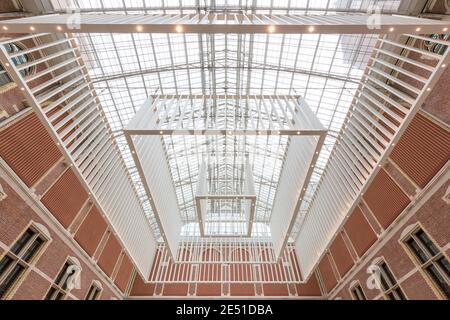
point(271, 29)
point(179, 28)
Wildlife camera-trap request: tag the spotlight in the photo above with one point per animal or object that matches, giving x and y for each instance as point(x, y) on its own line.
point(271, 29)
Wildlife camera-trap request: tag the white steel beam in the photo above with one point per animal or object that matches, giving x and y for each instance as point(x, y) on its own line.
point(236, 23)
point(364, 144)
point(82, 134)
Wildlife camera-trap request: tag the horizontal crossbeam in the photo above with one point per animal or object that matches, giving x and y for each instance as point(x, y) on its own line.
point(236, 23)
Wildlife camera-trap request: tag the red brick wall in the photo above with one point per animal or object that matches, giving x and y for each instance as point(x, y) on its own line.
point(91, 231)
point(15, 215)
point(434, 219)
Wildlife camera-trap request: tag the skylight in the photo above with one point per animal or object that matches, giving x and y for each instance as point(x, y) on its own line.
point(324, 69)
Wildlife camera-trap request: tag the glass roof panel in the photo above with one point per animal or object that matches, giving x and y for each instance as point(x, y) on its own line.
point(324, 69)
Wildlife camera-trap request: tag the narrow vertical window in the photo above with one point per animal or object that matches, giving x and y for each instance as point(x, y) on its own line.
point(389, 286)
point(61, 286)
point(357, 292)
point(18, 259)
point(94, 292)
point(431, 259)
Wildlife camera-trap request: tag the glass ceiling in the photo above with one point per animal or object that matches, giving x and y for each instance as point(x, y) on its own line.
point(325, 69)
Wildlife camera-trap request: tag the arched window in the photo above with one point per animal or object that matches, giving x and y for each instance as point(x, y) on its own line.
point(13, 48)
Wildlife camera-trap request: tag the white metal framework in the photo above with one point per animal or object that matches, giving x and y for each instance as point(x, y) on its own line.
point(224, 190)
point(219, 199)
point(226, 22)
point(206, 72)
point(390, 94)
point(69, 108)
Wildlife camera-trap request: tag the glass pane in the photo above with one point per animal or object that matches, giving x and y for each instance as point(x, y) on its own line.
point(31, 251)
point(391, 296)
point(426, 241)
point(390, 278)
point(358, 293)
point(399, 294)
point(439, 280)
point(61, 274)
point(4, 264)
point(10, 279)
point(445, 265)
point(417, 250)
point(90, 295)
point(59, 296)
point(50, 294)
point(17, 247)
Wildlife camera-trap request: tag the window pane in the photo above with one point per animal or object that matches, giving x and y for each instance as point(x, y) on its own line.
point(10, 279)
point(426, 241)
point(399, 294)
point(61, 274)
point(358, 293)
point(417, 250)
point(439, 280)
point(4, 264)
point(390, 278)
point(50, 293)
point(31, 251)
point(22, 241)
point(59, 296)
point(445, 265)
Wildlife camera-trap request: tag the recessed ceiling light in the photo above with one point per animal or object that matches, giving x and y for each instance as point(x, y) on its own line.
point(418, 29)
point(139, 28)
point(271, 29)
point(445, 29)
point(311, 29)
point(161, 132)
point(391, 29)
point(59, 28)
point(428, 89)
point(32, 28)
point(444, 66)
point(5, 28)
point(7, 64)
point(179, 28)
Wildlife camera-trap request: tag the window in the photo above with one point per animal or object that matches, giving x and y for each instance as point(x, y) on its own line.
point(63, 282)
point(436, 47)
point(389, 286)
point(94, 292)
point(17, 260)
point(432, 261)
point(14, 48)
point(357, 292)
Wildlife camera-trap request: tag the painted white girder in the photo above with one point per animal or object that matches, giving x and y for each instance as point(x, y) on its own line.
point(236, 23)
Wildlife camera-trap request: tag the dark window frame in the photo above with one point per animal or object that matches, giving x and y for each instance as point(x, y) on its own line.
point(357, 292)
point(23, 253)
point(432, 261)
